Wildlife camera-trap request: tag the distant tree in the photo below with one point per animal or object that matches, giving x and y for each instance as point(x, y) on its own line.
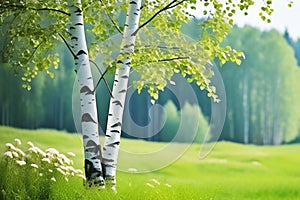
point(294, 44)
point(263, 92)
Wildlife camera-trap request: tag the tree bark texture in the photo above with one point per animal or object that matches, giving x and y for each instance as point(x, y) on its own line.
point(89, 119)
point(120, 85)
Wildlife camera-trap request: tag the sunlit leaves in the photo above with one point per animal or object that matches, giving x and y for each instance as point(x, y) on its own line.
point(30, 36)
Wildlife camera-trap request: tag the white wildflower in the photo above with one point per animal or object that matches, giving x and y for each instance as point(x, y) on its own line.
point(71, 154)
point(132, 170)
point(53, 179)
point(150, 185)
point(81, 176)
point(65, 159)
point(52, 151)
point(155, 181)
point(46, 160)
point(168, 185)
point(78, 171)
point(66, 179)
point(41, 174)
point(70, 168)
point(10, 146)
point(41, 152)
point(19, 151)
point(21, 162)
point(56, 164)
point(61, 171)
point(18, 141)
point(50, 170)
point(60, 161)
point(32, 149)
point(34, 166)
point(30, 144)
point(15, 154)
point(8, 154)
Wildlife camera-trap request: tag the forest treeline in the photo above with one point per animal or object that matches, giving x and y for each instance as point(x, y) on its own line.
point(263, 94)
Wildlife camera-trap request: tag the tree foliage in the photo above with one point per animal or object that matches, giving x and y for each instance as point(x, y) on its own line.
point(271, 75)
point(32, 29)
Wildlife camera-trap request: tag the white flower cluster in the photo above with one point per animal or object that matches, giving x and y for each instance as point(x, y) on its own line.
point(49, 163)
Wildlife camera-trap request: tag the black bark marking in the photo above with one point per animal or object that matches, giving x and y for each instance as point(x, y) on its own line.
point(123, 91)
point(115, 131)
point(86, 117)
point(86, 89)
point(109, 114)
point(118, 103)
point(113, 144)
point(79, 24)
point(74, 38)
point(132, 2)
point(107, 136)
point(90, 78)
point(98, 157)
point(85, 136)
point(72, 27)
point(91, 173)
point(125, 76)
point(78, 12)
point(127, 46)
point(120, 61)
point(81, 52)
point(92, 147)
point(128, 63)
point(116, 125)
point(108, 160)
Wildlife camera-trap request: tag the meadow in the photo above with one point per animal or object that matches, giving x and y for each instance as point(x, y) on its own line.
point(230, 171)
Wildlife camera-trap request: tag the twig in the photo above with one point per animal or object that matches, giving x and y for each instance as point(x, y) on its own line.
point(102, 77)
point(70, 49)
point(38, 9)
point(169, 6)
point(110, 18)
point(172, 59)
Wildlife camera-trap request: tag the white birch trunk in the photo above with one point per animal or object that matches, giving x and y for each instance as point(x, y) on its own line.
point(116, 107)
point(89, 119)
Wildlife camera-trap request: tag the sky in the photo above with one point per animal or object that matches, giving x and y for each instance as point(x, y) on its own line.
point(282, 18)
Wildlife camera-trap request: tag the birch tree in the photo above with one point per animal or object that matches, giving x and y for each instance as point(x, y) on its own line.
point(89, 116)
point(116, 107)
point(34, 27)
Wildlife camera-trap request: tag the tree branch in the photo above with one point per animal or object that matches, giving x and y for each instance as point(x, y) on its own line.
point(110, 18)
point(102, 77)
point(70, 49)
point(38, 9)
point(169, 6)
point(171, 59)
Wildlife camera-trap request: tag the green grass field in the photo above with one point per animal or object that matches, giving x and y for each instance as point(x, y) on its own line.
point(230, 171)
